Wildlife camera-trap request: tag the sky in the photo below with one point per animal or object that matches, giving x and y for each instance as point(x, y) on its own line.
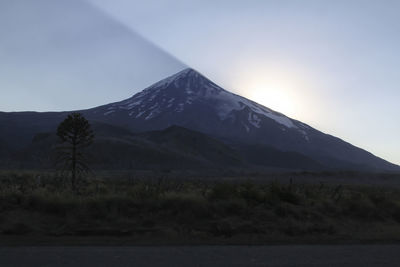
point(334, 65)
point(68, 55)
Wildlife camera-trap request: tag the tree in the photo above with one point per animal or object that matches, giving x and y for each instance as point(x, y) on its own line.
point(75, 134)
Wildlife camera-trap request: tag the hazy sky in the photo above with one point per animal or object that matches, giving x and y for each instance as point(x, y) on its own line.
point(67, 54)
point(332, 64)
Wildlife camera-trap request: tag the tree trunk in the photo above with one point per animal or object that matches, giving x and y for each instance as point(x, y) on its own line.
point(73, 178)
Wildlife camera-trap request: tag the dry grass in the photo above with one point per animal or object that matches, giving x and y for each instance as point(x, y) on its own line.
point(173, 209)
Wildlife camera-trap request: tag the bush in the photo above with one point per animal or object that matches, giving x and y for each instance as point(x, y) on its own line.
point(19, 228)
point(192, 208)
point(222, 228)
point(358, 206)
point(252, 193)
point(55, 204)
point(223, 191)
point(188, 206)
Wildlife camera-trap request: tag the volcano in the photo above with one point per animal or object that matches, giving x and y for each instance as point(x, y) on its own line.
point(190, 101)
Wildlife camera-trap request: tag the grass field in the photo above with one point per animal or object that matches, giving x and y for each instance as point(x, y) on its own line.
point(166, 210)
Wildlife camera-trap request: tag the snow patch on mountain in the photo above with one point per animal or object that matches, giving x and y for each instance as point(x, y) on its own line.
point(172, 79)
point(140, 114)
point(233, 102)
point(188, 87)
point(254, 120)
point(108, 112)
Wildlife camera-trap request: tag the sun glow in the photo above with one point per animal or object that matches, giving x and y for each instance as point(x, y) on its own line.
point(276, 91)
point(285, 87)
point(274, 97)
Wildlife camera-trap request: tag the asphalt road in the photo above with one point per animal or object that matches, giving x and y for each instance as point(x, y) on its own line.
point(318, 255)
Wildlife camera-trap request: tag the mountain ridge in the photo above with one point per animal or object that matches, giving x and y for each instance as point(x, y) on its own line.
point(192, 101)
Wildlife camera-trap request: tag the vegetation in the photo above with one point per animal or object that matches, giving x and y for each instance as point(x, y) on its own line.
point(196, 211)
point(75, 134)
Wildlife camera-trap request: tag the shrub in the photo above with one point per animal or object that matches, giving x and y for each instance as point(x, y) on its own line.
point(18, 228)
point(55, 204)
point(251, 193)
point(358, 206)
point(222, 228)
point(186, 205)
point(223, 191)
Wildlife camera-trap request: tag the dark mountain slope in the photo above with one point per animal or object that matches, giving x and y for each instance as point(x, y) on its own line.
point(262, 155)
point(188, 99)
point(194, 143)
point(119, 148)
point(172, 148)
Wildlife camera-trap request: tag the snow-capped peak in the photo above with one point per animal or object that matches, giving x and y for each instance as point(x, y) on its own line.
point(188, 89)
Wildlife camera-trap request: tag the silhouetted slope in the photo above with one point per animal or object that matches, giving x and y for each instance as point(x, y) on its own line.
point(188, 99)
